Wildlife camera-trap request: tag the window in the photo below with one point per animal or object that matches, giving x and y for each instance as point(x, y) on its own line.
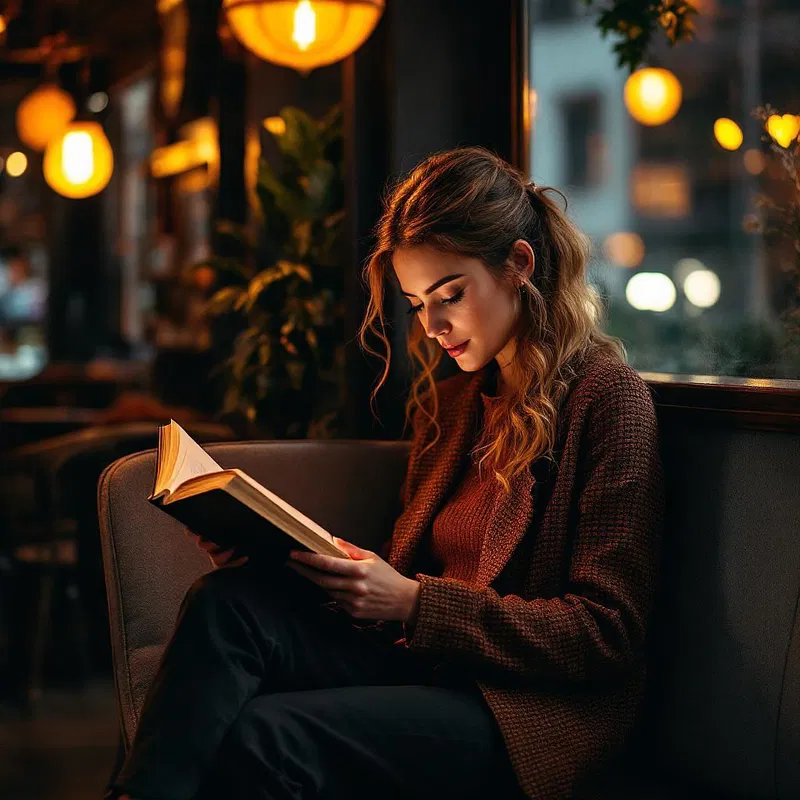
point(583, 152)
point(700, 272)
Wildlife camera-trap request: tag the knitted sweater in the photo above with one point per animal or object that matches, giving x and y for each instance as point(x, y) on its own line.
point(457, 531)
point(551, 621)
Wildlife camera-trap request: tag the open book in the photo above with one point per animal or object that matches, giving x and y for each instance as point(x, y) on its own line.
point(226, 506)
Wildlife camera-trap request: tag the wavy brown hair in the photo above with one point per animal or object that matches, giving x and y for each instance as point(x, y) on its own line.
point(470, 202)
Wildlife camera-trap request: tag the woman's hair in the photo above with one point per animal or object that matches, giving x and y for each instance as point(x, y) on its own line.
point(469, 202)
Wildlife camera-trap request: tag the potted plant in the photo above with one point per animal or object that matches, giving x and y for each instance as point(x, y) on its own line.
point(278, 308)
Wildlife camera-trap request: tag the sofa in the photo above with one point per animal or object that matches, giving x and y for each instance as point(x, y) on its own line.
point(721, 718)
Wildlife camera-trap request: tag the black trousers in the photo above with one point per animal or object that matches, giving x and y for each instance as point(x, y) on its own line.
point(266, 692)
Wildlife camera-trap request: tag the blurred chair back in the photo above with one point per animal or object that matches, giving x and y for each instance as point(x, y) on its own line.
point(352, 488)
point(47, 481)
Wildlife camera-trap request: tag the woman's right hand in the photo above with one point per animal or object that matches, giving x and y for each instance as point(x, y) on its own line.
point(219, 556)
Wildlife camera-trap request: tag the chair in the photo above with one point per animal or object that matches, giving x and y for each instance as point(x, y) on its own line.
point(48, 487)
point(722, 714)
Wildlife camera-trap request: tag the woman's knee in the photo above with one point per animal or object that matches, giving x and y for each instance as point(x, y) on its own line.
point(269, 743)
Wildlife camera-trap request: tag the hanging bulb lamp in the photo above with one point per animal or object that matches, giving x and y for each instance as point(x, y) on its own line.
point(43, 114)
point(79, 162)
point(653, 95)
point(303, 34)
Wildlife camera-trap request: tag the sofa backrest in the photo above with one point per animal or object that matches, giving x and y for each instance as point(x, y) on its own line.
point(352, 488)
point(723, 705)
point(722, 710)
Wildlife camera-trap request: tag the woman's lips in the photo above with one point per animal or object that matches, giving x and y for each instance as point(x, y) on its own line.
point(455, 352)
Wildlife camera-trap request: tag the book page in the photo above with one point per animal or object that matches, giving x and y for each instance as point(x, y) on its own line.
point(192, 459)
point(182, 459)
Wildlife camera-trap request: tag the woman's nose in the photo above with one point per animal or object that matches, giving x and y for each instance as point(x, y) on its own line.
point(435, 326)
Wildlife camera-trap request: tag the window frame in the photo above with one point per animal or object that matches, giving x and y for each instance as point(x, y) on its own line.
point(757, 403)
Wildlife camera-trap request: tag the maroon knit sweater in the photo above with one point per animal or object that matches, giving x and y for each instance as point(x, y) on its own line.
point(551, 619)
point(458, 530)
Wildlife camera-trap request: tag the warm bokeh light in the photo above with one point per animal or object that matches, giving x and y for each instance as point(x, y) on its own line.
point(16, 164)
point(728, 134)
point(661, 190)
point(652, 95)
point(44, 114)
point(275, 125)
point(79, 163)
point(684, 267)
point(783, 129)
point(624, 249)
point(754, 161)
point(702, 288)
point(651, 291)
point(303, 34)
point(3, 25)
point(197, 150)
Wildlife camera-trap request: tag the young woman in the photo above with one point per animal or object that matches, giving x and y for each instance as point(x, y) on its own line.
point(498, 649)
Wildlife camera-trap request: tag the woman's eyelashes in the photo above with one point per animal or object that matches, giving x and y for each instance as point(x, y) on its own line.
point(449, 301)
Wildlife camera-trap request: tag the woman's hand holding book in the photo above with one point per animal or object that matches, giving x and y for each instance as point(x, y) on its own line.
point(218, 555)
point(365, 585)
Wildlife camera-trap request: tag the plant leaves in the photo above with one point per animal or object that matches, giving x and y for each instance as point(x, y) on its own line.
point(223, 300)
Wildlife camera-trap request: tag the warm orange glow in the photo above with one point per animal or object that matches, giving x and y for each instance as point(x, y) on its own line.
point(754, 161)
point(303, 34)
point(43, 115)
point(653, 95)
point(79, 163)
point(198, 148)
point(728, 134)
point(624, 249)
point(275, 125)
point(3, 24)
point(783, 129)
point(16, 164)
point(661, 190)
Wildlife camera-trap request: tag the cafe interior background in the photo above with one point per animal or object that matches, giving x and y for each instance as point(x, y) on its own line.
point(187, 192)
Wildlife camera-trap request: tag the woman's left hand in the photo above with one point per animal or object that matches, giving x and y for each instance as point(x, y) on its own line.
point(364, 585)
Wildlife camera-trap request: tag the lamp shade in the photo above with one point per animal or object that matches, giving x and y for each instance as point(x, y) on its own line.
point(43, 114)
point(303, 34)
point(79, 162)
point(653, 95)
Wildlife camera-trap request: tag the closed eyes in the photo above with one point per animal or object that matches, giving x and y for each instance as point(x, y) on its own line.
point(450, 301)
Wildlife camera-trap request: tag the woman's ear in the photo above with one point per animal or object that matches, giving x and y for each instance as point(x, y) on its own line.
point(522, 260)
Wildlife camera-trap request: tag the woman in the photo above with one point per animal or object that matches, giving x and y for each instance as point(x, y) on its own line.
point(499, 649)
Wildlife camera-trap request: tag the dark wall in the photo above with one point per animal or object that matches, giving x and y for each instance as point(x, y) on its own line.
point(451, 76)
point(436, 74)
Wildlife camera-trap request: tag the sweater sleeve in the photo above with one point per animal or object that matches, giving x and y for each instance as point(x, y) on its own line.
point(598, 626)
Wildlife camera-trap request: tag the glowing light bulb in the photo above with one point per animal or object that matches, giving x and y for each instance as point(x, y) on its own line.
point(650, 291)
point(652, 95)
point(702, 287)
point(16, 164)
point(728, 134)
point(305, 25)
point(77, 157)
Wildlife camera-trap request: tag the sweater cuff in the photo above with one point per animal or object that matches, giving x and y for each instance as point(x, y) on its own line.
point(445, 604)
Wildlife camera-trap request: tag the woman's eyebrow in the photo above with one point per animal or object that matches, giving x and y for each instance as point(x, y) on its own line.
point(434, 286)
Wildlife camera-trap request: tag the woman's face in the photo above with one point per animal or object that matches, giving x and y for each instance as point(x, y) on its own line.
point(458, 302)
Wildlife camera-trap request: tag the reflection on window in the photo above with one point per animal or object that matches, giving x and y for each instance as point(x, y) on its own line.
point(660, 190)
point(699, 274)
